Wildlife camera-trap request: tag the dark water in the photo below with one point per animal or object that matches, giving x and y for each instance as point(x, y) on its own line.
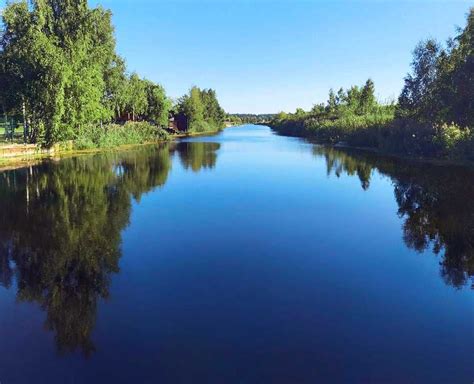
point(239, 258)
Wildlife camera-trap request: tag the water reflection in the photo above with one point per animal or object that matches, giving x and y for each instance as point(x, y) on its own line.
point(197, 155)
point(60, 230)
point(434, 201)
point(61, 222)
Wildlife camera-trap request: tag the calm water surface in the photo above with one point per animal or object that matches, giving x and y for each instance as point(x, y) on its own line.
point(238, 258)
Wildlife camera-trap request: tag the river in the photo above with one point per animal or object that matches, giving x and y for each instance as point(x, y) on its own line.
point(244, 257)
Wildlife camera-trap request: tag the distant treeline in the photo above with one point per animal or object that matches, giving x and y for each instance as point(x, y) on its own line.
point(248, 118)
point(434, 115)
point(61, 77)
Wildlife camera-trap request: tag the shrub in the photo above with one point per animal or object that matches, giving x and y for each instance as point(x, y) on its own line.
point(202, 126)
point(449, 136)
point(113, 135)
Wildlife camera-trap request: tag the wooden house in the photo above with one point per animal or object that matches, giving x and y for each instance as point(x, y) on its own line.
point(178, 122)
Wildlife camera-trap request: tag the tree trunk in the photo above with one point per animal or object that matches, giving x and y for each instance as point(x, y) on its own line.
point(25, 122)
point(6, 121)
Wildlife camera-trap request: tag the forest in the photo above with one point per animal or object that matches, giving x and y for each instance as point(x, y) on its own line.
point(433, 116)
point(61, 79)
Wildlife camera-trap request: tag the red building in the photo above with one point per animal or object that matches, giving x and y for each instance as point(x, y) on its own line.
point(178, 122)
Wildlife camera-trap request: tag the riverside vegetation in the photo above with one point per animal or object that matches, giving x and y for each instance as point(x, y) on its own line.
point(61, 78)
point(434, 115)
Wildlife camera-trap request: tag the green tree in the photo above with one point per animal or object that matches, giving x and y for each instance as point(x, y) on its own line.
point(158, 105)
point(418, 94)
point(116, 87)
point(367, 97)
point(455, 85)
point(341, 97)
point(332, 102)
point(318, 109)
point(213, 113)
point(137, 101)
point(300, 112)
point(202, 109)
point(194, 105)
point(58, 52)
point(353, 98)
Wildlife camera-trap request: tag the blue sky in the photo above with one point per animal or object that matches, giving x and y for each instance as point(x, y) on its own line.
point(264, 56)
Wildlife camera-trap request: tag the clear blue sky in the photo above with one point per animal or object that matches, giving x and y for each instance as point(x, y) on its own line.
point(271, 55)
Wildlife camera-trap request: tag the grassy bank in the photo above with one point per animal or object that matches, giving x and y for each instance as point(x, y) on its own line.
point(204, 127)
point(385, 134)
point(114, 135)
point(92, 139)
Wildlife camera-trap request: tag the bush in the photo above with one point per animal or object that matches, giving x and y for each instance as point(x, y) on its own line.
point(380, 131)
point(113, 135)
point(450, 136)
point(454, 141)
point(360, 130)
point(203, 126)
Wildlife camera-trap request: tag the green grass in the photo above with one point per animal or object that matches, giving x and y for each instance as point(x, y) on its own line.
point(382, 132)
point(334, 129)
point(17, 136)
point(203, 126)
point(114, 135)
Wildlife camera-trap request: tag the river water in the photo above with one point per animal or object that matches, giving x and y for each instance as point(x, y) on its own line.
point(244, 257)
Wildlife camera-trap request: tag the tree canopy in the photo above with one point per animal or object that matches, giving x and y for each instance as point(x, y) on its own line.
point(440, 88)
point(60, 72)
point(434, 116)
point(202, 109)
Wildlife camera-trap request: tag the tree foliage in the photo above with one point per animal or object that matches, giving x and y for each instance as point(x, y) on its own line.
point(440, 88)
point(434, 116)
point(59, 70)
point(55, 54)
point(202, 109)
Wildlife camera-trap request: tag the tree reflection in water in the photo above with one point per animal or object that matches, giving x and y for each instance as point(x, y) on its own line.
point(197, 155)
point(61, 222)
point(434, 201)
point(60, 230)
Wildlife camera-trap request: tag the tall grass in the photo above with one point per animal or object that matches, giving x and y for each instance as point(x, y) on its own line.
point(382, 132)
point(203, 126)
point(113, 135)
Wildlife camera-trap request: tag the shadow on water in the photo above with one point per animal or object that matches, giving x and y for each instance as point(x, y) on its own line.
point(435, 203)
point(61, 224)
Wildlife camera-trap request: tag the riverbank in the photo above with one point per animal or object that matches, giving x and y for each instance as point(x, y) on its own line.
point(14, 156)
point(403, 138)
point(30, 154)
